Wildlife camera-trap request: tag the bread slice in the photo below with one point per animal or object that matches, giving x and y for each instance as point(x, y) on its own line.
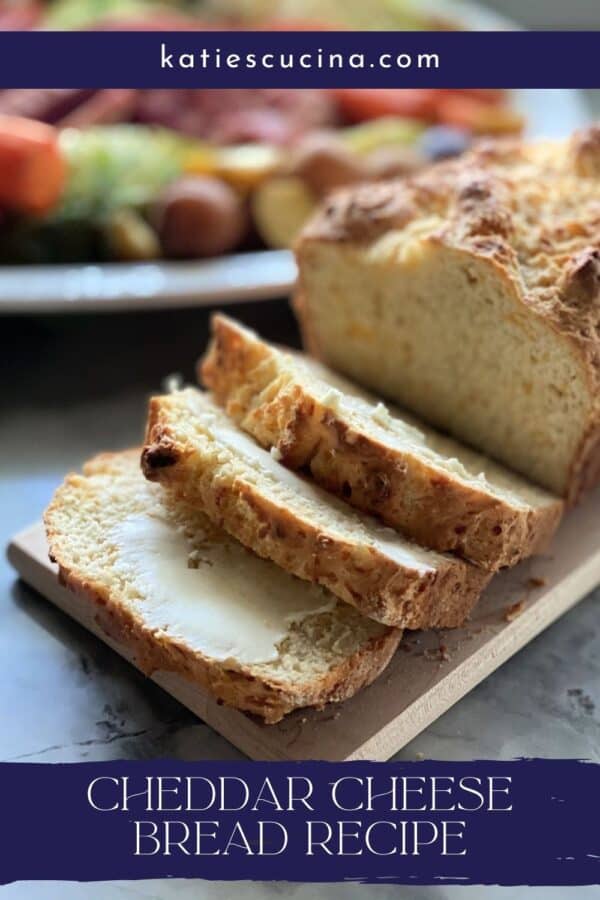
point(185, 597)
point(431, 488)
point(196, 451)
point(470, 294)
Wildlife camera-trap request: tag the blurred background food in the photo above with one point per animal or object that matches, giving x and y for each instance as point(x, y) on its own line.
point(378, 15)
point(248, 165)
point(97, 175)
point(382, 15)
point(125, 175)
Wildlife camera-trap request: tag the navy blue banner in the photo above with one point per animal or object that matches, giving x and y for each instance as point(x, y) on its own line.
point(480, 822)
point(215, 59)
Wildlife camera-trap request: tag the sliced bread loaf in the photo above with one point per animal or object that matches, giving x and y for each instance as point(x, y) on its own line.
point(470, 293)
point(429, 487)
point(184, 597)
point(194, 449)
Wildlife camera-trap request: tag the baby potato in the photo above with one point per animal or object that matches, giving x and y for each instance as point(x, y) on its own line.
point(198, 216)
point(280, 207)
point(324, 163)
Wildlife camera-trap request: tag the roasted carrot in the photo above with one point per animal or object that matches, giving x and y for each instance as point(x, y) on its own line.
point(487, 95)
point(479, 110)
point(360, 104)
point(32, 169)
point(476, 115)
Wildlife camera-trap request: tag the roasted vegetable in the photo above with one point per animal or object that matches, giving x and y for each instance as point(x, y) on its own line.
point(324, 163)
point(480, 111)
point(363, 104)
point(245, 166)
point(112, 167)
point(199, 216)
point(384, 15)
point(130, 238)
point(33, 241)
point(477, 115)
point(280, 207)
point(109, 169)
point(67, 14)
point(32, 169)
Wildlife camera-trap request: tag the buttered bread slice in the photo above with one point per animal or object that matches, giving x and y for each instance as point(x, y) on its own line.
point(431, 488)
point(195, 450)
point(185, 597)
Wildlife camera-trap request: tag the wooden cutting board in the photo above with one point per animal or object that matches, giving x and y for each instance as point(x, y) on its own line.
point(430, 672)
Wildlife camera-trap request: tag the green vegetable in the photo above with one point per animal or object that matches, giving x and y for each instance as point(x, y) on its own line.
point(117, 166)
point(31, 242)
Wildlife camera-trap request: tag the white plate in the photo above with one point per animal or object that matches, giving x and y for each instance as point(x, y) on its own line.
point(261, 275)
point(139, 286)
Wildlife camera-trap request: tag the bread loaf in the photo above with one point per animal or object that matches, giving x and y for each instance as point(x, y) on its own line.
point(471, 294)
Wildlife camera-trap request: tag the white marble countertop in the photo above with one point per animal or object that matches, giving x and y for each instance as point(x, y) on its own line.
point(75, 385)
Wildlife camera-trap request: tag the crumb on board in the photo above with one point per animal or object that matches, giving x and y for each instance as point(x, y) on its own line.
point(419, 755)
point(514, 610)
point(536, 582)
point(438, 654)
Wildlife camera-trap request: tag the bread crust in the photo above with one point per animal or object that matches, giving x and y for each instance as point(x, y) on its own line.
point(268, 698)
point(529, 211)
point(356, 573)
point(407, 491)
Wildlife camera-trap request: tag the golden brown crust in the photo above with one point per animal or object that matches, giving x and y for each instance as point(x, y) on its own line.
point(530, 210)
point(407, 491)
point(267, 698)
point(460, 188)
point(361, 575)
